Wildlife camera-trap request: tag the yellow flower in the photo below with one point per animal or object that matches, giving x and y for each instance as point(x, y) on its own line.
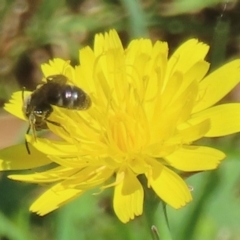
point(146, 112)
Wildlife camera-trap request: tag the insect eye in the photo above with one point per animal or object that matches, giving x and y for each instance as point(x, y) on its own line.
point(38, 113)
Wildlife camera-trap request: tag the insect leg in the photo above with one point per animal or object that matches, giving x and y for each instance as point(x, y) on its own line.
point(30, 126)
point(26, 142)
point(23, 89)
point(57, 124)
point(54, 123)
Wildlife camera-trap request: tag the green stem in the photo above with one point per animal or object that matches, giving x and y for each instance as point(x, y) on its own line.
point(157, 224)
point(163, 225)
point(137, 19)
point(219, 43)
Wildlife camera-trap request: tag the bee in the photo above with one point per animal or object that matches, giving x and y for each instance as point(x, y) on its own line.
point(56, 91)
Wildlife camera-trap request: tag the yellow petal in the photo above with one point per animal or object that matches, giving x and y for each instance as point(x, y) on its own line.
point(16, 104)
point(53, 199)
point(16, 157)
point(86, 71)
point(51, 147)
point(217, 84)
point(128, 197)
point(169, 186)
point(195, 158)
point(190, 133)
point(110, 40)
point(88, 177)
point(72, 162)
point(183, 58)
point(181, 86)
point(224, 119)
point(197, 71)
point(186, 134)
point(53, 175)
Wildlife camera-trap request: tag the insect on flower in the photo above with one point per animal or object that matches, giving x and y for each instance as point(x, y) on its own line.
point(37, 107)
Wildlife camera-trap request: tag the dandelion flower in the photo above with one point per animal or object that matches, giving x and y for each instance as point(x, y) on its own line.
point(147, 110)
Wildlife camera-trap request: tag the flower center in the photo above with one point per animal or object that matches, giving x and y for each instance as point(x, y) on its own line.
point(126, 133)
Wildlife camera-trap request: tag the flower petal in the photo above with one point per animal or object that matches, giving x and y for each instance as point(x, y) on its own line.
point(50, 147)
point(88, 177)
point(86, 70)
point(197, 71)
point(183, 58)
point(106, 42)
point(195, 158)
point(16, 157)
point(53, 199)
point(186, 134)
point(217, 84)
point(190, 133)
point(169, 186)
point(224, 119)
point(128, 196)
point(15, 105)
point(52, 175)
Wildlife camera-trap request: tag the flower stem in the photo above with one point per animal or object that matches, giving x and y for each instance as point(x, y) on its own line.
point(163, 224)
point(158, 225)
point(137, 18)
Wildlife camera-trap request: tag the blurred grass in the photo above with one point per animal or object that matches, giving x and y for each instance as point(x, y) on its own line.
point(34, 31)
